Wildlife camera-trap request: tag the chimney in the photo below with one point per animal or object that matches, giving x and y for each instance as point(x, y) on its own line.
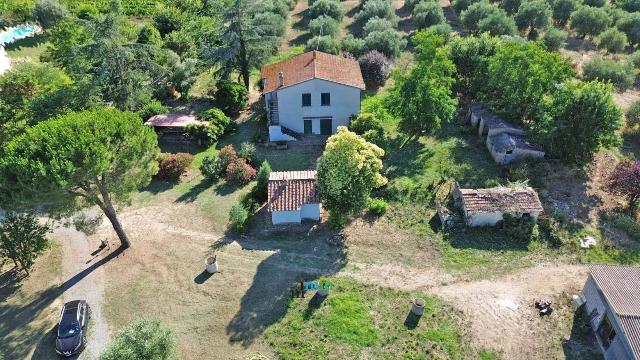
point(280, 79)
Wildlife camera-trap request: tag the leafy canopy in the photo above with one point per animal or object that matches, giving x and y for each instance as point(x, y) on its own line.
point(142, 339)
point(22, 239)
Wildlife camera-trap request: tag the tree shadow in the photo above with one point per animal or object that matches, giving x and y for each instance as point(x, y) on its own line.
point(157, 186)
point(29, 42)
point(10, 281)
point(484, 238)
point(303, 23)
point(195, 191)
point(225, 189)
point(301, 39)
point(582, 343)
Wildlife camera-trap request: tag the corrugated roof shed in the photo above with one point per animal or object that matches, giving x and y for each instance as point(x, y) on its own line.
point(501, 199)
point(620, 285)
point(289, 190)
point(312, 65)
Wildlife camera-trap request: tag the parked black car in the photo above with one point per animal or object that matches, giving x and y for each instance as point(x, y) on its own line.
point(71, 328)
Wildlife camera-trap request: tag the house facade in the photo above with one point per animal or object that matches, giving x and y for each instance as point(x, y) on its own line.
point(293, 197)
point(611, 297)
point(312, 93)
point(487, 207)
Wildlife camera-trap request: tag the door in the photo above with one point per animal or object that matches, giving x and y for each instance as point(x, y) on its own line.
point(326, 126)
point(308, 126)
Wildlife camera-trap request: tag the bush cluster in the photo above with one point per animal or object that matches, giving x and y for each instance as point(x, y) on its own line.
point(172, 166)
point(231, 96)
point(154, 107)
point(325, 26)
point(620, 74)
point(377, 207)
point(234, 166)
point(379, 34)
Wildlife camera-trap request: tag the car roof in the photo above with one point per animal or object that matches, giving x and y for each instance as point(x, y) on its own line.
point(73, 304)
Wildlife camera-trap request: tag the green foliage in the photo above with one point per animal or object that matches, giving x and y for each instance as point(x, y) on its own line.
point(620, 74)
point(325, 44)
point(428, 13)
point(239, 172)
point(238, 217)
point(348, 311)
point(248, 152)
point(633, 114)
point(422, 97)
point(154, 107)
point(520, 75)
point(634, 59)
point(219, 123)
point(142, 339)
point(587, 20)
point(625, 223)
point(498, 23)
point(631, 5)
point(554, 39)
point(172, 166)
point(562, 10)
point(262, 181)
point(377, 207)
point(471, 57)
point(86, 11)
point(376, 24)
point(352, 45)
point(477, 11)
point(612, 40)
point(595, 3)
point(22, 239)
point(49, 12)
point(107, 154)
point(348, 170)
point(630, 25)
point(366, 122)
point(388, 42)
point(376, 8)
point(461, 5)
point(212, 168)
point(148, 34)
point(168, 19)
point(519, 228)
point(272, 24)
point(533, 16)
point(331, 8)
point(231, 96)
point(443, 29)
point(510, 6)
point(580, 119)
point(324, 25)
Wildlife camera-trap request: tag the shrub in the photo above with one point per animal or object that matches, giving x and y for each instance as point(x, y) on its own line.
point(588, 20)
point(376, 8)
point(498, 23)
point(227, 155)
point(595, 3)
point(239, 172)
point(168, 19)
point(376, 24)
point(631, 5)
point(218, 121)
point(612, 40)
point(387, 42)
point(620, 74)
point(533, 15)
point(377, 207)
point(624, 180)
point(410, 4)
point(49, 12)
point(148, 34)
point(554, 39)
point(238, 217)
point(428, 13)
point(142, 339)
point(262, 179)
point(205, 135)
point(633, 114)
point(172, 166)
point(522, 229)
point(630, 25)
point(331, 8)
point(248, 152)
point(562, 9)
point(352, 45)
point(181, 42)
point(153, 107)
point(272, 24)
point(325, 44)
point(550, 230)
point(476, 12)
point(212, 168)
point(375, 68)
point(324, 25)
point(510, 6)
point(634, 59)
point(461, 5)
point(366, 122)
point(231, 96)
point(443, 29)
point(86, 11)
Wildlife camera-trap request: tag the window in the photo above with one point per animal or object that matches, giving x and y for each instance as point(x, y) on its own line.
point(306, 99)
point(509, 152)
point(606, 332)
point(325, 99)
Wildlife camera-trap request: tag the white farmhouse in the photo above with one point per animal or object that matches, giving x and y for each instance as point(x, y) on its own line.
point(312, 93)
point(293, 197)
point(486, 207)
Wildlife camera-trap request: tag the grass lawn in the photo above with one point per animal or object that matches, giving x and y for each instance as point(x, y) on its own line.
point(367, 321)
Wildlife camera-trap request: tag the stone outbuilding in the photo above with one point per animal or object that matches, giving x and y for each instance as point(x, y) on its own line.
point(293, 197)
point(486, 207)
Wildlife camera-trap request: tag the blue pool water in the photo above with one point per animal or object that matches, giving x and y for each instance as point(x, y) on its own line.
point(13, 34)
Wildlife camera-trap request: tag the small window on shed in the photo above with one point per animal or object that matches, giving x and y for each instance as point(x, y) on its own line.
point(606, 332)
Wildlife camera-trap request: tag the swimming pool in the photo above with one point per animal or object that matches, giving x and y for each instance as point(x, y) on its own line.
point(16, 33)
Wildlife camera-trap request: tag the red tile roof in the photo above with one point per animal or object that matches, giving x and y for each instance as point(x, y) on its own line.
point(174, 120)
point(312, 65)
point(289, 190)
point(501, 199)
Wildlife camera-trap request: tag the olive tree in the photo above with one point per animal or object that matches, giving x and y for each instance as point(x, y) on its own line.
point(142, 339)
point(96, 157)
point(589, 20)
point(22, 239)
point(533, 16)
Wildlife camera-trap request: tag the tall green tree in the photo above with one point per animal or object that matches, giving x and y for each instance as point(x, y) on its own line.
point(422, 97)
point(520, 75)
point(97, 157)
point(533, 16)
point(471, 57)
point(348, 170)
point(245, 44)
point(580, 119)
point(22, 239)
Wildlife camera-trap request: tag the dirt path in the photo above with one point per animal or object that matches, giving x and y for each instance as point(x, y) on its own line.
point(77, 249)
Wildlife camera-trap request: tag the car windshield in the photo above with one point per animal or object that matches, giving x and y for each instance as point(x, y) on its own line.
point(68, 329)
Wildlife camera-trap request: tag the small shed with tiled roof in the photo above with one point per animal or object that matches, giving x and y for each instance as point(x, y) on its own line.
point(486, 207)
point(293, 197)
point(612, 304)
